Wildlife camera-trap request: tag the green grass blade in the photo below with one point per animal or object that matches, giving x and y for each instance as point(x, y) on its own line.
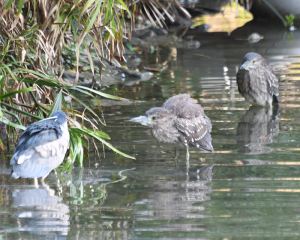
point(10, 113)
point(93, 18)
point(95, 135)
point(57, 103)
point(89, 132)
point(86, 106)
point(6, 121)
point(8, 4)
point(3, 96)
point(102, 94)
point(20, 111)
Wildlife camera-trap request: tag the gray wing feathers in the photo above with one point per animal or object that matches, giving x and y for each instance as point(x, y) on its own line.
point(40, 160)
point(193, 124)
point(37, 165)
point(36, 134)
point(28, 142)
point(195, 132)
point(266, 80)
point(243, 81)
point(272, 83)
point(208, 123)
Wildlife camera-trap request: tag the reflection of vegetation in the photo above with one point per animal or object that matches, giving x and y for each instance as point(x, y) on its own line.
point(98, 192)
point(289, 20)
point(290, 36)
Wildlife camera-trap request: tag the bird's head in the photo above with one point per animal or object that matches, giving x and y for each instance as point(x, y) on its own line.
point(154, 117)
point(251, 61)
point(60, 117)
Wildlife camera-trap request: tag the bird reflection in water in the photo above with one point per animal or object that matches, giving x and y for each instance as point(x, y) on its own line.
point(179, 199)
point(257, 128)
point(40, 212)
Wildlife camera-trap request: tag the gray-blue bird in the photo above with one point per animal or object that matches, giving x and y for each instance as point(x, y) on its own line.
point(42, 147)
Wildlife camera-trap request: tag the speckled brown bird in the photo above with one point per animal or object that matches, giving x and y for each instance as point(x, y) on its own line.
point(256, 81)
point(181, 120)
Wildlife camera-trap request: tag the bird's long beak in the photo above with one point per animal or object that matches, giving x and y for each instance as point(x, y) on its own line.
point(246, 65)
point(140, 119)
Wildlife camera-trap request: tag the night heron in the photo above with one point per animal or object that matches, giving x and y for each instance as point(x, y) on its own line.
point(42, 147)
point(179, 120)
point(256, 81)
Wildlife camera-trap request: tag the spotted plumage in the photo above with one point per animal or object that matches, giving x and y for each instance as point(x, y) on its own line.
point(256, 81)
point(179, 119)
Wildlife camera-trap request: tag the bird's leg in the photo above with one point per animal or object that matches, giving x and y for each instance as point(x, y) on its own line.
point(187, 163)
point(43, 178)
point(176, 156)
point(187, 158)
point(36, 183)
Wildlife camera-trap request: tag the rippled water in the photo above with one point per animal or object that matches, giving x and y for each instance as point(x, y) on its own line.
point(247, 188)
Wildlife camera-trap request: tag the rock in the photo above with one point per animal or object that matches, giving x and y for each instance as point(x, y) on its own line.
point(292, 28)
point(203, 27)
point(69, 76)
point(137, 42)
point(68, 99)
point(188, 44)
point(146, 76)
point(127, 73)
point(188, 37)
point(133, 61)
point(159, 31)
point(254, 38)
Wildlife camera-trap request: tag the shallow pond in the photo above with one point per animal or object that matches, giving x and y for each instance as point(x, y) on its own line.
point(247, 188)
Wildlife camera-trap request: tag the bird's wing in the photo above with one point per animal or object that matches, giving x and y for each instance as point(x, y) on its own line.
point(208, 122)
point(191, 121)
point(266, 79)
point(37, 134)
point(243, 81)
point(39, 161)
point(195, 132)
point(272, 82)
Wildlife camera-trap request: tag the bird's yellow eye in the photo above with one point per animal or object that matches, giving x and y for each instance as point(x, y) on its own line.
point(153, 118)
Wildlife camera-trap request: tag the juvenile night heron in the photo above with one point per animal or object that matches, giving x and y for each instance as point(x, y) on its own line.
point(256, 81)
point(179, 120)
point(42, 147)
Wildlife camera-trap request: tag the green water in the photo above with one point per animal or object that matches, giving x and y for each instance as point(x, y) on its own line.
point(251, 192)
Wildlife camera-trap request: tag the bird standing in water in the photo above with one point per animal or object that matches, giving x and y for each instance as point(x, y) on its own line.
point(181, 120)
point(256, 81)
point(42, 148)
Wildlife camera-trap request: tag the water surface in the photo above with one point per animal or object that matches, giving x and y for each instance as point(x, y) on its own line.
point(247, 188)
